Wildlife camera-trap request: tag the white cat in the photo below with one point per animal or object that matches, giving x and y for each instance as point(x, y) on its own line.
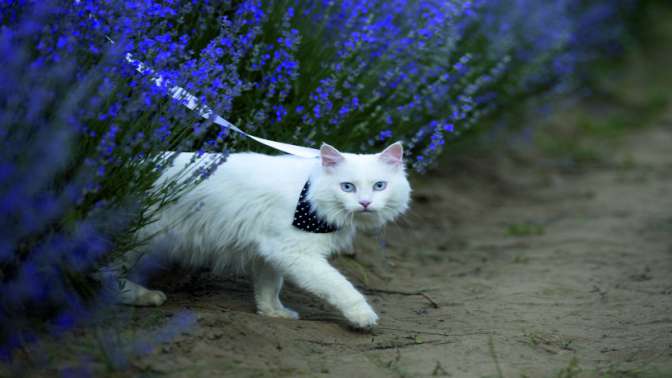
point(279, 217)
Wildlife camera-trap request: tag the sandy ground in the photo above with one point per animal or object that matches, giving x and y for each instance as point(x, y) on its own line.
point(504, 268)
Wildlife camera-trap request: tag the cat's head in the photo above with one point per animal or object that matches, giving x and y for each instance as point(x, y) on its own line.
point(364, 190)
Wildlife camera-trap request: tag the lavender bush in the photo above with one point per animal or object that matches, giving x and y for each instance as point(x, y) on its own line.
point(83, 132)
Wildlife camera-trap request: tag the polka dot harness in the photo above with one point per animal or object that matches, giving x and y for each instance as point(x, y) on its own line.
point(306, 219)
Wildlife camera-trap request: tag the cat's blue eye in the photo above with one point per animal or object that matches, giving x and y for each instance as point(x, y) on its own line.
point(348, 187)
point(380, 185)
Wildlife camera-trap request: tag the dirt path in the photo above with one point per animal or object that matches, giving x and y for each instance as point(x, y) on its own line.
point(531, 272)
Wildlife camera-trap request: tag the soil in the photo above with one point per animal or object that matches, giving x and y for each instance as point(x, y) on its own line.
point(503, 267)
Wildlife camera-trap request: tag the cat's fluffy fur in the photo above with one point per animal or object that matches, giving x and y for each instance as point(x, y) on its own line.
point(241, 217)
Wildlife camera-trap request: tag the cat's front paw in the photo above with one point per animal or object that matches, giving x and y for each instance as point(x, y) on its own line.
point(361, 316)
point(284, 313)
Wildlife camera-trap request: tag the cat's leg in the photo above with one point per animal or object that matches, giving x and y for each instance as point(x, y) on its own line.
point(267, 285)
point(315, 275)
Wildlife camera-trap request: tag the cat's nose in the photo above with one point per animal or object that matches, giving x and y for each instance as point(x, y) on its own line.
point(365, 204)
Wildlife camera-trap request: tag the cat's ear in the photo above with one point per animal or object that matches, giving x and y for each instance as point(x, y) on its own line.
point(393, 154)
point(330, 156)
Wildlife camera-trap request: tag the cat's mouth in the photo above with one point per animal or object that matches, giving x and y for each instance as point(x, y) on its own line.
point(366, 211)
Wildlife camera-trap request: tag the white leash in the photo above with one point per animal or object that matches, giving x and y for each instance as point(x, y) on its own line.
point(191, 102)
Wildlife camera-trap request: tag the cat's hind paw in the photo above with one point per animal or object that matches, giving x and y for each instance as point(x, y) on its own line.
point(151, 298)
point(362, 317)
point(284, 313)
